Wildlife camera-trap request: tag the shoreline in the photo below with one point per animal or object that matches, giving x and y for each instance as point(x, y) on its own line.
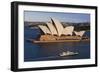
point(59, 41)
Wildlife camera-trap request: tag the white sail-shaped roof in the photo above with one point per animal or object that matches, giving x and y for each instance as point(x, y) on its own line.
point(52, 28)
point(58, 26)
point(80, 33)
point(44, 29)
point(68, 30)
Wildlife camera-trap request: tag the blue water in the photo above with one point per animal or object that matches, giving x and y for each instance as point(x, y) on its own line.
point(50, 51)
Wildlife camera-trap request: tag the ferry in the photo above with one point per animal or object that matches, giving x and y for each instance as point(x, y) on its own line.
point(68, 53)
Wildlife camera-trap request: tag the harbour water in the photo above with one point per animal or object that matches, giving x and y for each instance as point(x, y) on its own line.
point(51, 51)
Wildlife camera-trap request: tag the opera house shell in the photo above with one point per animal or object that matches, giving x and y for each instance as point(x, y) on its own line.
point(54, 30)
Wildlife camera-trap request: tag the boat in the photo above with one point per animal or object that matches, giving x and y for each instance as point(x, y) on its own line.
point(68, 53)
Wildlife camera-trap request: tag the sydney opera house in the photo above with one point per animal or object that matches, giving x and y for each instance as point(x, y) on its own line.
point(55, 31)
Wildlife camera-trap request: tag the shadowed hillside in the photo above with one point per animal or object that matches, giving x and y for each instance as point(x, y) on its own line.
point(78, 26)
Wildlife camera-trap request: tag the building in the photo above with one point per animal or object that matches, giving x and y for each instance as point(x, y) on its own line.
point(54, 30)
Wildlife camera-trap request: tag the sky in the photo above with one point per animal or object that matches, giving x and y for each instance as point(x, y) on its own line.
point(36, 16)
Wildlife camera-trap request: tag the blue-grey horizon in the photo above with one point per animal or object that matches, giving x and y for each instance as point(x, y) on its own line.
point(37, 16)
